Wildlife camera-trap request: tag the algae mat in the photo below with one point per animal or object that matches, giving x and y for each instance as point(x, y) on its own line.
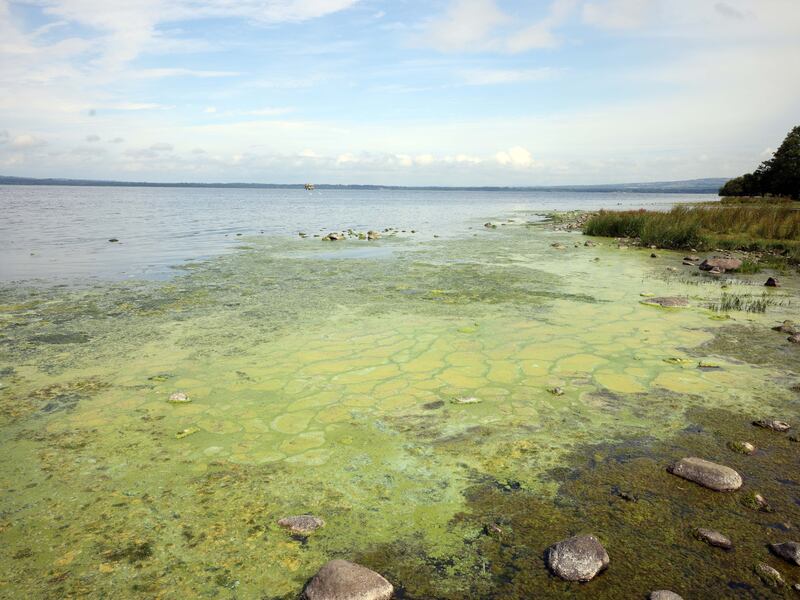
point(448, 408)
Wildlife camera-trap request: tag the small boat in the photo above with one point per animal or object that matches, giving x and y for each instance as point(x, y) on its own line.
point(309, 187)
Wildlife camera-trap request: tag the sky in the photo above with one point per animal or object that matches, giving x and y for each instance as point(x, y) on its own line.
point(400, 92)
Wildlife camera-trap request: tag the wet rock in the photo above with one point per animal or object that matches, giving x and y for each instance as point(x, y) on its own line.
point(772, 282)
point(667, 301)
point(653, 255)
point(788, 551)
point(558, 246)
point(742, 447)
point(579, 558)
point(343, 580)
point(771, 577)
point(772, 424)
point(333, 237)
point(664, 595)
point(179, 398)
point(589, 244)
point(113, 240)
point(795, 339)
point(556, 391)
point(786, 327)
point(721, 264)
point(303, 524)
point(713, 538)
point(691, 258)
point(708, 474)
point(373, 235)
point(490, 225)
point(756, 501)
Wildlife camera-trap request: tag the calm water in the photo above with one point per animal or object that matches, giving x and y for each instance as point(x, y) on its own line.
point(62, 233)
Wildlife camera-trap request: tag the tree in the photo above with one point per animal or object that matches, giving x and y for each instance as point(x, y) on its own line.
point(778, 176)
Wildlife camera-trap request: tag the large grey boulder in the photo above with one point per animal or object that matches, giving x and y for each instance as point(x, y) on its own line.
point(579, 558)
point(664, 595)
point(789, 551)
point(343, 580)
point(708, 474)
point(720, 264)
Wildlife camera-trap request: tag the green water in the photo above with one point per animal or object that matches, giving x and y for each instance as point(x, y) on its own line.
point(327, 384)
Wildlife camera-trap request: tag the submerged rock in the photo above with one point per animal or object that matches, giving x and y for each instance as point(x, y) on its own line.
point(742, 447)
point(373, 235)
point(556, 391)
point(772, 424)
point(786, 327)
point(667, 302)
point(771, 577)
point(708, 474)
point(795, 339)
point(333, 237)
point(664, 595)
point(301, 523)
point(713, 538)
point(772, 282)
point(788, 551)
point(756, 501)
point(466, 400)
point(343, 580)
point(720, 264)
point(579, 558)
point(179, 398)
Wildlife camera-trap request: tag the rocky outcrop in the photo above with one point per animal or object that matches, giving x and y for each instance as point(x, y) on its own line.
point(721, 265)
point(708, 474)
point(343, 580)
point(579, 558)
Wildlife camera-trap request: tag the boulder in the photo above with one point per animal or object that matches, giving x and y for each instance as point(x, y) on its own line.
point(720, 264)
point(667, 302)
point(788, 551)
point(302, 524)
point(772, 282)
point(708, 474)
point(664, 595)
point(772, 424)
point(713, 538)
point(771, 577)
point(343, 580)
point(579, 558)
point(179, 398)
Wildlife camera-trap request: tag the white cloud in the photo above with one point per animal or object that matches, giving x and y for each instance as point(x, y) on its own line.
point(25, 141)
point(515, 157)
point(619, 14)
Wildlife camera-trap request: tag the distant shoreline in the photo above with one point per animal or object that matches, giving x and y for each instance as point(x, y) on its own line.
point(692, 186)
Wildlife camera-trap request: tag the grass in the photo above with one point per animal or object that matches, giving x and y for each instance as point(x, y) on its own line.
point(743, 302)
point(773, 228)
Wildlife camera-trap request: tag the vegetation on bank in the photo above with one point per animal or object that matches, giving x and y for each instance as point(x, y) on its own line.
point(771, 228)
point(778, 176)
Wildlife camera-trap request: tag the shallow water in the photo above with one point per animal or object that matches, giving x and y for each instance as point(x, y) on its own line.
point(332, 387)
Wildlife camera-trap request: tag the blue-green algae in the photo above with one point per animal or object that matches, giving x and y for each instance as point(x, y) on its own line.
point(327, 387)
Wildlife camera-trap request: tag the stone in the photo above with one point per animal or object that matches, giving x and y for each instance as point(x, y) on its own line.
point(772, 424)
point(722, 264)
point(771, 577)
point(466, 400)
point(653, 255)
point(333, 237)
point(667, 302)
point(579, 558)
point(687, 263)
point(756, 501)
point(556, 391)
point(664, 595)
point(742, 447)
point(786, 327)
point(772, 282)
point(691, 258)
point(589, 244)
point(557, 246)
point(113, 240)
point(490, 225)
point(344, 580)
point(788, 551)
point(303, 524)
point(373, 235)
point(708, 474)
point(713, 538)
point(179, 398)
point(795, 339)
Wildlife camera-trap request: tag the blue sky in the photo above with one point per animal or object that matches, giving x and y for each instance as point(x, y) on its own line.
point(448, 92)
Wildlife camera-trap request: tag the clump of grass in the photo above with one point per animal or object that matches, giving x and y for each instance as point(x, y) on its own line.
point(765, 227)
point(743, 302)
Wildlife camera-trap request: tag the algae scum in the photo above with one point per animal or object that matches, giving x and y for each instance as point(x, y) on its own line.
point(449, 408)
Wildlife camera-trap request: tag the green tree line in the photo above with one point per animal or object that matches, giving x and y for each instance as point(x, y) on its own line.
point(778, 176)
